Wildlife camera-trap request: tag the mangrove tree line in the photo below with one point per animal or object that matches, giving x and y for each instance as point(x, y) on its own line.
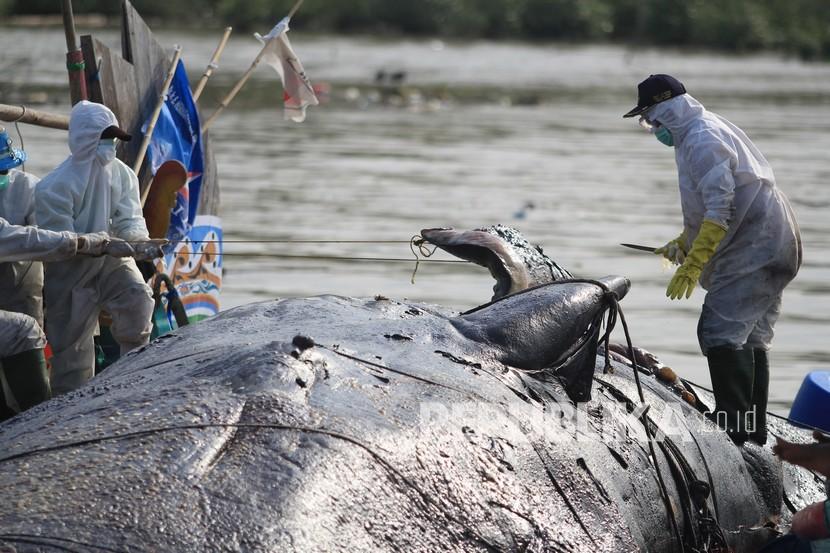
point(800, 27)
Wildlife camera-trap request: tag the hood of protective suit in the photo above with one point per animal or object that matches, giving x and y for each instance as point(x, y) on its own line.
point(88, 192)
point(677, 114)
point(86, 123)
point(684, 113)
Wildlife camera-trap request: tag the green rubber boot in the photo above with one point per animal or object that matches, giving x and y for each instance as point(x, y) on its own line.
point(733, 373)
point(27, 378)
point(760, 393)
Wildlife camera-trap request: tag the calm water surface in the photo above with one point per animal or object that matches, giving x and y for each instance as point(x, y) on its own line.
point(479, 131)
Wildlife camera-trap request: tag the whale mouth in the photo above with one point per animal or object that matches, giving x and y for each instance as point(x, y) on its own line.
point(483, 248)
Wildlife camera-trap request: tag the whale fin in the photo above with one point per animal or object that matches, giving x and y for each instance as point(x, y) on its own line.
point(551, 329)
point(511, 259)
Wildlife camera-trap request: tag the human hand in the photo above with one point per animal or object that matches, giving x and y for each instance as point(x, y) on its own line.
point(683, 282)
point(148, 250)
point(92, 244)
point(675, 250)
point(815, 456)
point(119, 248)
point(809, 522)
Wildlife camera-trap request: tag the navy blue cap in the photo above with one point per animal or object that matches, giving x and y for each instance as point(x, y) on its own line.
point(116, 132)
point(656, 89)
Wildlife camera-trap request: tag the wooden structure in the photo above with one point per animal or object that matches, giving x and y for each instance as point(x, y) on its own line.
point(129, 83)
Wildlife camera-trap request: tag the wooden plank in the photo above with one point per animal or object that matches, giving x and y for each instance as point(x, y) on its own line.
point(126, 46)
point(149, 58)
point(93, 77)
point(209, 195)
point(150, 62)
point(113, 84)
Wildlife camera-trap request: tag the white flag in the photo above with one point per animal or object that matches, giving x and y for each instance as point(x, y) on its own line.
point(297, 91)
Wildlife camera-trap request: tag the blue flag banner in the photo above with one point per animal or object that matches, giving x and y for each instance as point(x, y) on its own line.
point(177, 136)
point(193, 259)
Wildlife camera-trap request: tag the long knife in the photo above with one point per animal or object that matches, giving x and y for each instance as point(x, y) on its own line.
point(640, 248)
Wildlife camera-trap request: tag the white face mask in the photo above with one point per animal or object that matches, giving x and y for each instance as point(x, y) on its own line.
point(106, 150)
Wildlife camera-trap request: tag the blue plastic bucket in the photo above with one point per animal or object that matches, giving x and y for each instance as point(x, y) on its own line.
point(811, 407)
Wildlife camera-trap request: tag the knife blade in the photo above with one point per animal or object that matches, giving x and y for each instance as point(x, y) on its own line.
point(640, 248)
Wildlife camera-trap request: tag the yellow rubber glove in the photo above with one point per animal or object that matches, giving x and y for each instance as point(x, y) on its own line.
point(686, 277)
point(675, 250)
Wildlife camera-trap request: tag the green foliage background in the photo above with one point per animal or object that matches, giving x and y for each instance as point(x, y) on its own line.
point(795, 26)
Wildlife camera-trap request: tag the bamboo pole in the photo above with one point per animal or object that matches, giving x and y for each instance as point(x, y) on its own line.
point(22, 114)
point(295, 8)
point(238, 86)
point(74, 56)
point(212, 65)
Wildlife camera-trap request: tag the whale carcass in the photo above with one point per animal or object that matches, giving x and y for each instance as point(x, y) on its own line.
point(342, 424)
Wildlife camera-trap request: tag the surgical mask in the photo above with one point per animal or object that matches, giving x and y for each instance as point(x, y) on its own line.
point(106, 150)
point(660, 132)
point(4, 181)
point(664, 136)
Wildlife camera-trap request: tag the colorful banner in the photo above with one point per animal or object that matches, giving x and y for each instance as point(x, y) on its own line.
point(195, 267)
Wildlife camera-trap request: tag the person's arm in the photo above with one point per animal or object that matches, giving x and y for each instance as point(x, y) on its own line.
point(127, 217)
point(810, 523)
point(815, 456)
point(25, 243)
point(813, 521)
point(19, 243)
point(711, 164)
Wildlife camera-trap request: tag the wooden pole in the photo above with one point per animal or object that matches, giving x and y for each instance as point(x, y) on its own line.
point(145, 143)
point(22, 114)
point(295, 8)
point(212, 65)
point(74, 56)
point(238, 86)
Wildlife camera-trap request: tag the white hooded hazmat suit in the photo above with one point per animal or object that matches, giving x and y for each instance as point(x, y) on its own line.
point(724, 178)
point(20, 332)
point(21, 282)
point(90, 193)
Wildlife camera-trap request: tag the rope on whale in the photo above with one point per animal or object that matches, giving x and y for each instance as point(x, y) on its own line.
point(708, 534)
point(614, 313)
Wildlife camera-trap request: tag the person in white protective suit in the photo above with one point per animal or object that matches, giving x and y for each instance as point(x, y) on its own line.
point(21, 282)
point(23, 379)
point(92, 191)
point(740, 240)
